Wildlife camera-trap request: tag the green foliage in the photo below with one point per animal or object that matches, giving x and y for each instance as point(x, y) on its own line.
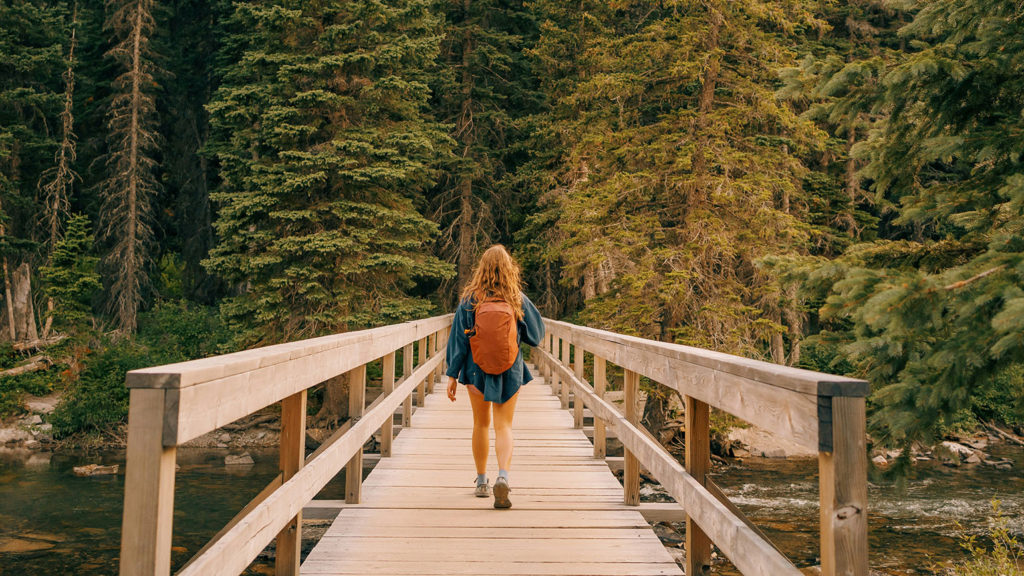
point(98, 401)
point(14, 388)
point(1006, 558)
point(70, 277)
point(325, 146)
point(176, 330)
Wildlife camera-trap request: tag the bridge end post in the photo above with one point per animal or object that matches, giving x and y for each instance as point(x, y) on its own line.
point(563, 359)
point(292, 457)
point(356, 407)
point(698, 462)
point(844, 491)
point(387, 431)
point(406, 372)
point(630, 464)
point(600, 383)
point(577, 399)
point(149, 487)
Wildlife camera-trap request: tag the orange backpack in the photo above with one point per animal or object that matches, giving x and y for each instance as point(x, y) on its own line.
point(494, 337)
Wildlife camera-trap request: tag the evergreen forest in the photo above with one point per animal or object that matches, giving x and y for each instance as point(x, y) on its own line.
point(835, 185)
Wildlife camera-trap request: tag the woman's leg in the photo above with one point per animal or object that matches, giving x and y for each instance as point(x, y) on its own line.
point(503, 414)
point(481, 428)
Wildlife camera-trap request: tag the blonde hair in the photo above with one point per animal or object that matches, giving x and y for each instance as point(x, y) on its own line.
point(496, 276)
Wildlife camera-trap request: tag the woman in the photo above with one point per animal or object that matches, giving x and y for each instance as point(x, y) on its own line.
point(496, 278)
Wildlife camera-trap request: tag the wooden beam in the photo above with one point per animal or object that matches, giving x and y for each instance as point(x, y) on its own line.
point(631, 469)
point(600, 383)
point(577, 401)
point(236, 548)
point(844, 492)
point(406, 373)
point(148, 489)
point(698, 463)
point(387, 433)
point(750, 553)
point(421, 389)
point(292, 456)
point(563, 359)
point(356, 406)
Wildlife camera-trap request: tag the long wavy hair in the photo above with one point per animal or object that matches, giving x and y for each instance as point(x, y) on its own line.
point(496, 276)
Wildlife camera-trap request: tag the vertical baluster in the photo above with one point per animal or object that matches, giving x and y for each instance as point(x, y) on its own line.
point(563, 359)
point(148, 488)
point(292, 456)
point(577, 398)
point(600, 383)
point(698, 462)
point(631, 466)
point(356, 406)
point(406, 373)
point(387, 433)
point(421, 389)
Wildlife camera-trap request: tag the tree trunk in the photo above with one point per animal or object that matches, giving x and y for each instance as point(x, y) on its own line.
point(464, 130)
point(705, 105)
point(24, 311)
point(335, 406)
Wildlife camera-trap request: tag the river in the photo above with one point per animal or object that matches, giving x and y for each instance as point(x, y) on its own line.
point(69, 525)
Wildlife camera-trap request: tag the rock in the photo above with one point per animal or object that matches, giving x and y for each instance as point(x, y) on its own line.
point(957, 449)
point(221, 445)
point(977, 443)
point(922, 458)
point(775, 453)
point(35, 419)
point(225, 437)
point(261, 435)
point(243, 459)
point(95, 470)
point(44, 404)
point(894, 454)
point(738, 452)
point(973, 459)
point(13, 435)
point(20, 545)
point(33, 445)
point(880, 460)
point(45, 427)
point(667, 534)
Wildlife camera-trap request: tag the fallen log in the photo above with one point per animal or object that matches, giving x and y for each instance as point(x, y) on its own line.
point(38, 344)
point(1003, 434)
point(34, 364)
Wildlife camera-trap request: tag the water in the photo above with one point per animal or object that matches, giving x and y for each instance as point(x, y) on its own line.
point(76, 522)
point(914, 527)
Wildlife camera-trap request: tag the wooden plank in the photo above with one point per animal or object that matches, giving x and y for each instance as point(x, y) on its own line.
point(577, 402)
point(751, 554)
point(387, 433)
point(356, 406)
point(600, 383)
point(785, 377)
point(423, 518)
point(407, 372)
point(790, 413)
point(563, 359)
point(234, 550)
point(844, 492)
point(421, 389)
point(149, 489)
point(292, 456)
point(631, 466)
point(475, 568)
point(698, 463)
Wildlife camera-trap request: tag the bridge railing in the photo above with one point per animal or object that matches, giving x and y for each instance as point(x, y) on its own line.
point(172, 404)
point(818, 411)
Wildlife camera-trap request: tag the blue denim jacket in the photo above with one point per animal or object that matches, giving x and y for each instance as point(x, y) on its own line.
point(496, 388)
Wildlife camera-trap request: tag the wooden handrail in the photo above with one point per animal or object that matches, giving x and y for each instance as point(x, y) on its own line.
point(815, 410)
point(172, 404)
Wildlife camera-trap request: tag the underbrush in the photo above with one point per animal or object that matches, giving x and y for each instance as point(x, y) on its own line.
point(1005, 558)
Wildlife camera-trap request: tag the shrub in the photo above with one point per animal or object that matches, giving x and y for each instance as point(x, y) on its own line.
point(1006, 557)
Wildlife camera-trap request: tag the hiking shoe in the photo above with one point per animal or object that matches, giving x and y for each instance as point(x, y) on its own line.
point(501, 491)
point(483, 490)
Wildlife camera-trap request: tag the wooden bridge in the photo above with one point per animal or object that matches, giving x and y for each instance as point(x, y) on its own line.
point(416, 514)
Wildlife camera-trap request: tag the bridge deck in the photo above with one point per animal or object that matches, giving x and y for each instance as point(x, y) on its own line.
point(419, 515)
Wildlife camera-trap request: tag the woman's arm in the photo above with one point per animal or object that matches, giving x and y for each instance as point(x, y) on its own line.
point(532, 326)
point(457, 350)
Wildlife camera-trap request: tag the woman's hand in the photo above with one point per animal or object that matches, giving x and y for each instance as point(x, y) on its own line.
point(453, 385)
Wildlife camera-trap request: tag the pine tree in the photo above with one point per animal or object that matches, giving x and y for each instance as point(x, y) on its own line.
point(131, 161)
point(70, 276)
point(483, 88)
point(678, 170)
point(325, 146)
point(934, 310)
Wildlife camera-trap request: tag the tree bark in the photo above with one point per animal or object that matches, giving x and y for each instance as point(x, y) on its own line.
point(335, 406)
point(464, 130)
point(705, 105)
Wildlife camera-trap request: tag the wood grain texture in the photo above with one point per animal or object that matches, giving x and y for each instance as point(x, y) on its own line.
point(698, 463)
point(387, 430)
point(844, 493)
point(419, 514)
point(577, 402)
point(406, 373)
point(291, 457)
point(149, 489)
point(422, 388)
point(600, 383)
point(631, 466)
point(356, 407)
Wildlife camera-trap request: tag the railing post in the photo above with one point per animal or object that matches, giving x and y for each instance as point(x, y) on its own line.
point(292, 456)
point(844, 491)
point(421, 389)
point(600, 382)
point(631, 466)
point(434, 351)
point(407, 372)
point(552, 374)
point(577, 399)
point(148, 488)
point(356, 406)
point(698, 462)
point(387, 432)
point(563, 359)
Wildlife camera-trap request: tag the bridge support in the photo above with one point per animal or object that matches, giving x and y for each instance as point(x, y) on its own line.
point(356, 407)
point(292, 456)
point(600, 383)
point(698, 462)
point(148, 488)
point(844, 492)
point(387, 431)
point(577, 399)
point(631, 466)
